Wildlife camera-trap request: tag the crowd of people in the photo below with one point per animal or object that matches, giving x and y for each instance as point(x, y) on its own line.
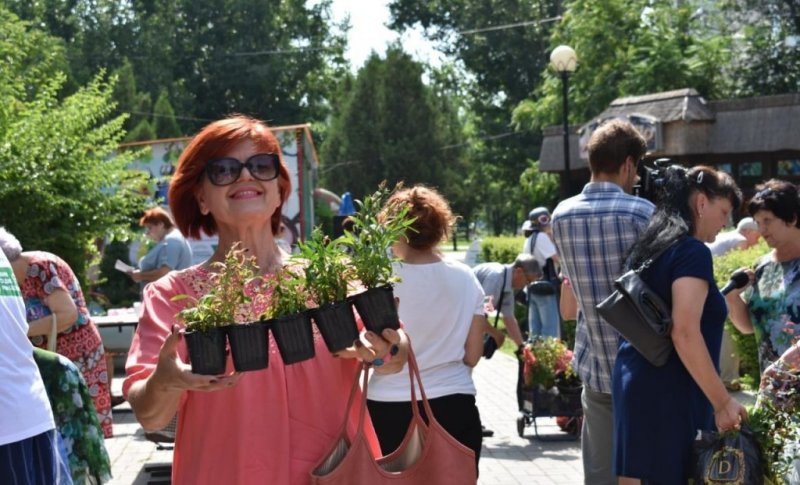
point(639, 420)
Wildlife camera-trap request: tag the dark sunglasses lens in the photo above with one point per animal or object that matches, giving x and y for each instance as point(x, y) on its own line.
point(263, 167)
point(224, 171)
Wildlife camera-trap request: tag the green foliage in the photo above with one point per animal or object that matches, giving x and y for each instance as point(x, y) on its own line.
point(164, 118)
point(229, 292)
point(61, 184)
point(627, 48)
point(746, 347)
point(539, 188)
point(326, 267)
point(777, 430)
point(390, 126)
point(501, 249)
point(290, 294)
point(547, 362)
point(116, 287)
point(377, 225)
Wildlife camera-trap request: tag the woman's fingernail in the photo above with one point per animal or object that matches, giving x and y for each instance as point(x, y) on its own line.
point(370, 335)
point(394, 349)
point(357, 343)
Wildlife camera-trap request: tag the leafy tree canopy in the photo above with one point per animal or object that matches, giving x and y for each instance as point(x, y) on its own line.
point(60, 187)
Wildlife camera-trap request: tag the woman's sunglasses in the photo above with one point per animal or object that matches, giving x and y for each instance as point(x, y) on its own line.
point(225, 171)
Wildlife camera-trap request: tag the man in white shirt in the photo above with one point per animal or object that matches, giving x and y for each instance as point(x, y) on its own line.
point(28, 438)
point(745, 236)
point(543, 317)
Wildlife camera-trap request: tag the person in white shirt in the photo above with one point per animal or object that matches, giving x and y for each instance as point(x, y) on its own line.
point(543, 314)
point(441, 305)
point(745, 236)
point(28, 438)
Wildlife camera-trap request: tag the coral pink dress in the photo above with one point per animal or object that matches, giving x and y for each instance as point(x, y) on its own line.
point(272, 427)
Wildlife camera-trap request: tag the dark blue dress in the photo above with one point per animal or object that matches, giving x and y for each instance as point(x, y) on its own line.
point(658, 410)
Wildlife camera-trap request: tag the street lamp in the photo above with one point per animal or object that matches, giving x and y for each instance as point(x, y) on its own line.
point(564, 61)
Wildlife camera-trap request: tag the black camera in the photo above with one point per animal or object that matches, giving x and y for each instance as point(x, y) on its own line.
point(651, 180)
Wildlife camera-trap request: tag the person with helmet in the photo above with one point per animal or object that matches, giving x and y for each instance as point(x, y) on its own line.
point(543, 313)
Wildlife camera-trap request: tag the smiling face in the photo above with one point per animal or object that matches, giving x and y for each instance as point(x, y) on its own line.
point(773, 229)
point(712, 216)
point(245, 202)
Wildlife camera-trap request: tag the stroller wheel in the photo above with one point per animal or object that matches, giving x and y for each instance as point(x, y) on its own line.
point(521, 425)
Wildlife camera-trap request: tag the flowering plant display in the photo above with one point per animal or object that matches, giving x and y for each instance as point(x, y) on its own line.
point(547, 362)
point(775, 421)
point(229, 292)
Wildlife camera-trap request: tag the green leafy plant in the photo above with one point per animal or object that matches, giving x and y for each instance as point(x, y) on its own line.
point(326, 267)
point(289, 294)
point(376, 227)
point(228, 292)
point(775, 421)
point(548, 362)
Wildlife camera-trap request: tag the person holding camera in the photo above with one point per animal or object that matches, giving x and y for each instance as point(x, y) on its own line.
point(592, 232)
point(543, 318)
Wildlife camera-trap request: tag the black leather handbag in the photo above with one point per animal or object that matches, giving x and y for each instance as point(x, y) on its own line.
point(640, 315)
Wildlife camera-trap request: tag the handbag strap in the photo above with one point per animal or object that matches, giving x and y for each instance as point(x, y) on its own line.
point(646, 264)
point(502, 294)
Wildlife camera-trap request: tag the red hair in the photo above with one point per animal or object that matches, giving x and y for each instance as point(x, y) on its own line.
point(156, 215)
point(431, 212)
point(215, 140)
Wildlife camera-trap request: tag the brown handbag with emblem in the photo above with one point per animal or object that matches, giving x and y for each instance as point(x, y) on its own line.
point(428, 454)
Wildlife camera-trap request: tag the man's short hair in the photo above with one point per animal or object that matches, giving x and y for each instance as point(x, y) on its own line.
point(611, 143)
point(747, 224)
point(528, 264)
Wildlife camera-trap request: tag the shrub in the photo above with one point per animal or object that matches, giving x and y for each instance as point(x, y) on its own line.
point(501, 249)
point(746, 347)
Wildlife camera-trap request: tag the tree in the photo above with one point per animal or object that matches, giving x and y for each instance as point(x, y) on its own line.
point(61, 185)
point(389, 128)
point(164, 122)
point(767, 59)
point(628, 48)
point(501, 48)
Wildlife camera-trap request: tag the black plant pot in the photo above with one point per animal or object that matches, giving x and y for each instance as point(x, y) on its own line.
point(377, 308)
point(337, 324)
point(207, 351)
point(294, 337)
point(249, 346)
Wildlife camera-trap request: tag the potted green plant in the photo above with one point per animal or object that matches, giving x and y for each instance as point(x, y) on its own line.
point(289, 320)
point(326, 270)
point(213, 317)
point(376, 227)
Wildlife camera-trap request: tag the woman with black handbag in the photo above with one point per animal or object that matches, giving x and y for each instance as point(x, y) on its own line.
point(658, 410)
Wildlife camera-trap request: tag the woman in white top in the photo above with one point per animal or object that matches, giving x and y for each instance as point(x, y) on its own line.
point(441, 306)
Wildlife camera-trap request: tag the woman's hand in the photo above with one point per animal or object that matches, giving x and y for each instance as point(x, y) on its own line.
point(730, 415)
point(751, 276)
point(387, 352)
point(173, 375)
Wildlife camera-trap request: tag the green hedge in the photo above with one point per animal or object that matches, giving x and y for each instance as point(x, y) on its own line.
point(745, 344)
point(502, 249)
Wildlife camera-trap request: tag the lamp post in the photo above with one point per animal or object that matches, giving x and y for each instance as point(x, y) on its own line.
point(564, 61)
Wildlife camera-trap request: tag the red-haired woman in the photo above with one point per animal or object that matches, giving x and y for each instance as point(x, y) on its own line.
point(268, 425)
point(171, 251)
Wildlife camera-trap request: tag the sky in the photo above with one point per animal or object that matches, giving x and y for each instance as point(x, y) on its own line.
point(368, 32)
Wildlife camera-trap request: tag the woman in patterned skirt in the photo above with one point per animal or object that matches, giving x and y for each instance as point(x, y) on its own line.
point(49, 287)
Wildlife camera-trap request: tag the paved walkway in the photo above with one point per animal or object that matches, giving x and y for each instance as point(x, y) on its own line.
point(507, 459)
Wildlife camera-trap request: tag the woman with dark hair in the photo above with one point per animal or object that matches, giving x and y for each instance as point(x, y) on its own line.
point(770, 307)
point(658, 410)
point(245, 428)
point(441, 305)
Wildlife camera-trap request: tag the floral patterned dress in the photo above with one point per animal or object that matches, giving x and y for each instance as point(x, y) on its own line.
point(75, 418)
point(774, 304)
point(81, 343)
